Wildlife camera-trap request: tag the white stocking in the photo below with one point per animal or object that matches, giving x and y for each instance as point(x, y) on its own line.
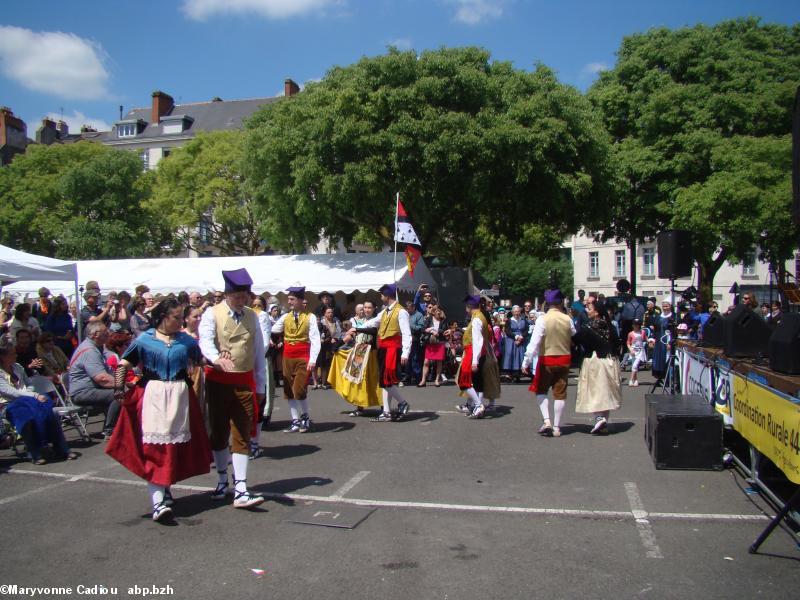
point(387, 403)
point(558, 407)
point(294, 407)
point(221, 459)
point(240, 471)
point(543, 406)
point(474, 400)
point(156, 493)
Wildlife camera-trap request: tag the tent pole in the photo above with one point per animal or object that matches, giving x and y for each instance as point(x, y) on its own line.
point(77, 309)
point(394, 268)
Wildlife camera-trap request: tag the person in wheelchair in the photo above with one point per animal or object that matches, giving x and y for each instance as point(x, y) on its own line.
point(30, 413)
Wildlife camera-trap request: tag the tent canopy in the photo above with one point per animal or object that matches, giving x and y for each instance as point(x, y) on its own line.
point(21, 266)
point(345, 273)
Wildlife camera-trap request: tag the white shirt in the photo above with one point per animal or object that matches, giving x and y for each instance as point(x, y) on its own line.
point(313, 334)
point(477, 340)
point(208, 331)
point(403, 321)
point(539, 331)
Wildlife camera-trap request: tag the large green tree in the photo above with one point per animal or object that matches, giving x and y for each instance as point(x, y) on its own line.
point(477, 149)
point(521, 276)
point(679, 105)
point(78, 201)
point(203, 182)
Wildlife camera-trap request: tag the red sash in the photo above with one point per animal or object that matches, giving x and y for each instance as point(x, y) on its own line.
point(465, 373)
point(564, 360)
point(393, 345)
point(297, 350)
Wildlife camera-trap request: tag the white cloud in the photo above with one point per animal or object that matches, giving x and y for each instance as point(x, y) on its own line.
point(594, 68)
point(77, 119)
point(401, 43)
point(200, 10)
point(473, 12)
point(61, 64)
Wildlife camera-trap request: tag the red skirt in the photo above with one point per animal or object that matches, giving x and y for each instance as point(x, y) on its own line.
point(161, 464)
point(466, 378)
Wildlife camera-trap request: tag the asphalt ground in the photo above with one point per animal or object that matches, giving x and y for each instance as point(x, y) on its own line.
point(462, 509)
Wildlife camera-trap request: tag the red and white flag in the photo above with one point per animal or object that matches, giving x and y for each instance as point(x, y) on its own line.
point(404, 234)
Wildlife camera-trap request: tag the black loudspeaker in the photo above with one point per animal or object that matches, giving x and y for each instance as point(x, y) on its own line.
point(784, 345)
point(714, 331)
point(683, 432)
point(746, 333)
point(674, 254)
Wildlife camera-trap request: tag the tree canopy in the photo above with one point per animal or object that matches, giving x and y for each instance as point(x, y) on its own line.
point(477, 150)
point(202, 182)
point(78, 201)
point(686, 109)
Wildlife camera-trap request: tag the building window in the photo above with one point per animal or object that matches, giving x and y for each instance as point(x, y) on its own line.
point(648, 261)
point(620, 266)
point(165, 152)
point(145, 156)
point(594, 264)
point(204, 230)
point(749, 263)
point(126, 130)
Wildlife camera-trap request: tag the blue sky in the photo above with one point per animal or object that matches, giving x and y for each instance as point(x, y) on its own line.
point(85, 58)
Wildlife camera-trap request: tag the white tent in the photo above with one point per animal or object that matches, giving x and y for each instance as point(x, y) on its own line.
point(21, 266)
point(344, 273)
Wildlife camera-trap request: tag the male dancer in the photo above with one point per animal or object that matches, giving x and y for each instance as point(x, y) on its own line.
point(394, 348)
point(477, 351)
point(231, 339)
point(551, 343)
point(301, 344)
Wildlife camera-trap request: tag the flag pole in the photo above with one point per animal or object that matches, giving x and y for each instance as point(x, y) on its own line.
point(394, 268)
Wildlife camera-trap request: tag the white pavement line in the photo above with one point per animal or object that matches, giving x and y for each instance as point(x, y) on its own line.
point(562, 512)
point(349, 485)
point(642, 523)
point(31, 492)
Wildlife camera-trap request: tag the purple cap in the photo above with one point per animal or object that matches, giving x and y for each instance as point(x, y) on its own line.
point(553, 296)
point(473, 301)
point(389, 289)
point(238, 280)
point(296, 291)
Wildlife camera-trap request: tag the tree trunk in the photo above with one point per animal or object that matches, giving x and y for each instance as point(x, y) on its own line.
point(707, 270)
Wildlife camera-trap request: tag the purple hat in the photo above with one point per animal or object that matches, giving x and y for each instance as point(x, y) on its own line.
point(296, 291)
point(238, 280)
point(553, 296)
point(389, 289)
point(473, 301)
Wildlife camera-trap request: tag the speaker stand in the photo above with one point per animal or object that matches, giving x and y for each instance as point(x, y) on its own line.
point(668, 382)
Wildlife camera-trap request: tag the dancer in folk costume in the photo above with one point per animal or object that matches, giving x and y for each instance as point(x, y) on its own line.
point(550, 346)
point(394, 348)
point(301, 345)
point(479, 375)
point(160, 435)
point(232, 341)
point(354, 370)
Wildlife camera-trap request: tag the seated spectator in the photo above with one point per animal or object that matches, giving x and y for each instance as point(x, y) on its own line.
point(90, 382)
point(59, 324)
point(54, 361)
point(30, 413)
point(6, 310)
point(149, 303)
point(26, 352)
point(23, 320)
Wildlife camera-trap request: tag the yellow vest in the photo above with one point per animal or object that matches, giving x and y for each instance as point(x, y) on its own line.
point(557, 339)
point(390, 323)
point(485, 330)
point(296, 332)
point(237, 338)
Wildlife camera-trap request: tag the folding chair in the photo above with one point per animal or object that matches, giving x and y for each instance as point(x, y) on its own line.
point(76, 416)
point(9, 437)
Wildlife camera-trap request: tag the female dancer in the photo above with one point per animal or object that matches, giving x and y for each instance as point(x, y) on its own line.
point(160, 434)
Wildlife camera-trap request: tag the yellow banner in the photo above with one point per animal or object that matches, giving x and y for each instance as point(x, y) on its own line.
point(769, 422)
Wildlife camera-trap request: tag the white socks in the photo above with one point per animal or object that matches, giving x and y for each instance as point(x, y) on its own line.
point(221, 459)
point(240, 471)
point(387, 402)
point(303, 406)
point(156, 493)
point(543, 406)
point(474, 399)
point(558, 408)
point(294, 408)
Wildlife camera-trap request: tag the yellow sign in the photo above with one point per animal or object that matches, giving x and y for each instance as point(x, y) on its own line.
point(769, 422)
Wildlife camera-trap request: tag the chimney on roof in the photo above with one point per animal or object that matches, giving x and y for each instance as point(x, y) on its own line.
point(63, 129)
point(47, 134)
point(88, 129)
point(162, 105)
point(290, 88)
point(13, 135)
